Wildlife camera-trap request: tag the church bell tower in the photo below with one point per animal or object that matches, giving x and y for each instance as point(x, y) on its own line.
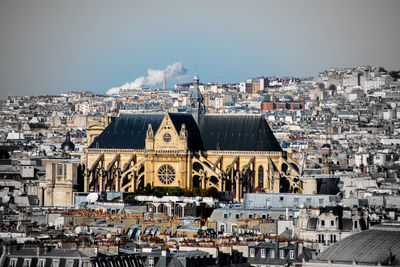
point(196, 107)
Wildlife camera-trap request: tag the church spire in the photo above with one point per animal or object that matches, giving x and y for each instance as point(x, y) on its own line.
point(196, 107)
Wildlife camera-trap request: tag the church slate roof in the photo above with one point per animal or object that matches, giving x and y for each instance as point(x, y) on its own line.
point(237, 132)
point(214, 132)
point(195, 141)
point(127, 131)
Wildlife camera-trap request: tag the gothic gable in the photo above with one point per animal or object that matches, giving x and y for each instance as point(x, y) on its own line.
point(166, 137)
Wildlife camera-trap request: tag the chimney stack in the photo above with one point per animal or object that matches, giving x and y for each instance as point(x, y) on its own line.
point(164, 83)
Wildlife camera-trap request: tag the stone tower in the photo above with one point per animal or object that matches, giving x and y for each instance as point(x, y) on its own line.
point(196, 107)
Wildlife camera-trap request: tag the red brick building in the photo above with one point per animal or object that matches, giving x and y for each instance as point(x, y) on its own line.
point(286, 105)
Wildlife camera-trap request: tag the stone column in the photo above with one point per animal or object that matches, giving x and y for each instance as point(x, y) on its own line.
point(86, 181)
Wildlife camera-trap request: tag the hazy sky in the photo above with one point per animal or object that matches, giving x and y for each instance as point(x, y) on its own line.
point(55, 46)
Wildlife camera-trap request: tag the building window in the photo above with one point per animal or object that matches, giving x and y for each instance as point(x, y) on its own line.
point(234, 228)
point(252, 252)
point(59, 169)
point(151, 262)
point(291, 253)
point(13, 263)
point(226, 216)
point(250, 216)
point(355, 224)
point(263, 253)
point(282, 253)
point(332, 223)
point(321, 201)
point(41, 263)
point(238, 215)
point(321, 238)
point(322, 222)
point(261, 177)
point(281, 198)
point(222, 227)
point(333, 238)
point(272, 254)
point(27, 262)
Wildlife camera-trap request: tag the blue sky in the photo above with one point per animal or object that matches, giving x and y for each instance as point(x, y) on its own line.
point(50, 47)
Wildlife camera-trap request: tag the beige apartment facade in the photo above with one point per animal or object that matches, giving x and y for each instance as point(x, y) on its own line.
point(60, 183)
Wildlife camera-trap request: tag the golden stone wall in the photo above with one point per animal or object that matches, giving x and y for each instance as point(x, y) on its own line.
point(236, 171)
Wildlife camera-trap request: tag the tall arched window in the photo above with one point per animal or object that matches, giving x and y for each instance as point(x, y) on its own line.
point(261, 176)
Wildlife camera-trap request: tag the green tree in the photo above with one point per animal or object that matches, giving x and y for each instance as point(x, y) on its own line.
point(196, 191)
point(148, 190)
point(159, 191)
point(212, 192)
point(175, 191)
point(188, 193)
point(203, 192)
point(129, 198)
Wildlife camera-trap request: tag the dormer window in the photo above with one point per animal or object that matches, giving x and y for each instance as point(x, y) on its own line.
point(252, 252)
point(291, 254)
point(282, 253)
point(27, 262)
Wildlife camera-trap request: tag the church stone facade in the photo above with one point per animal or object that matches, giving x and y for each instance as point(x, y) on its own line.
point(234, 153)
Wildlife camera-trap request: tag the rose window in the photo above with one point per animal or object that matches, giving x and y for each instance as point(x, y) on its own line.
point(166, 174)
point(167, 137)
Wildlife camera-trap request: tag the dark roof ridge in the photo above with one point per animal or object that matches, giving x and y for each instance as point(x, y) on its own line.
point(234, 114)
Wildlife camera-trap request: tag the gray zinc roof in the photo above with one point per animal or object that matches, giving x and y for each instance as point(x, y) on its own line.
point(368, 247)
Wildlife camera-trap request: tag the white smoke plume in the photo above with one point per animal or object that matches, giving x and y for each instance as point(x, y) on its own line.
point(174, 72)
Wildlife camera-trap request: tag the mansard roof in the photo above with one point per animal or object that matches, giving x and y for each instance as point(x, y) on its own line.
point(214, 132)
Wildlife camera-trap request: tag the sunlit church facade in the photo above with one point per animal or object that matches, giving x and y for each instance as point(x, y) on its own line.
point(232, 153)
